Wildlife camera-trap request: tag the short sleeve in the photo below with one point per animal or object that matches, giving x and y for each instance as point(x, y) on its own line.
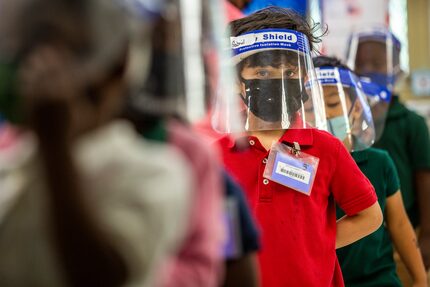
point(391, 176)
point(419, 143)
point(351, 189)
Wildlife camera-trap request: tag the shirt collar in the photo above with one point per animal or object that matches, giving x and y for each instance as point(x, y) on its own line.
point(360, 156)
point(296, 133)
point(304, 137)
point(397, 109)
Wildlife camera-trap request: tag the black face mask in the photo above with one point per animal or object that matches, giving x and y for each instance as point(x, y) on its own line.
point(264, 97)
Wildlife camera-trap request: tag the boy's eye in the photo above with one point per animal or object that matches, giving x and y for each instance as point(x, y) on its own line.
point(290, 73)
point(263, 73)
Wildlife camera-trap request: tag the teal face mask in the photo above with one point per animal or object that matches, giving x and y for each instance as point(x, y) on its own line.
point(338, 127)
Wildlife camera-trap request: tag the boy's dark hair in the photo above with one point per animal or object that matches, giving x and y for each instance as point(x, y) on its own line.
point(324, 61)
point(274, 18)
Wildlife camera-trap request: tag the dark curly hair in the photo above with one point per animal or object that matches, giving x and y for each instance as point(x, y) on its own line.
point(325, 61)
point(277, 18)
point(274, 18)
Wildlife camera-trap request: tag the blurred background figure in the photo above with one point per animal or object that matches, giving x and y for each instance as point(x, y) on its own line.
point(232, 11)
point(78, 206)
point(82, 179)
point(252, 6)
point(239, 4)
point(185, 74)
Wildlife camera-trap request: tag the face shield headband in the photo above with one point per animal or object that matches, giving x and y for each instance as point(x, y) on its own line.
point(268, 39)
point(374, 91)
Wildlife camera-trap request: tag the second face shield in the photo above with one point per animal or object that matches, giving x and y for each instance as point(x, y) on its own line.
point(276, 81)
point(374, 52)
point(349, 117)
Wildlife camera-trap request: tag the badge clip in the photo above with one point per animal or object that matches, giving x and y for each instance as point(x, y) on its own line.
point(296, 149)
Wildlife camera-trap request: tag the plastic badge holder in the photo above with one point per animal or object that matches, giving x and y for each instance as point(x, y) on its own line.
point(291, 167)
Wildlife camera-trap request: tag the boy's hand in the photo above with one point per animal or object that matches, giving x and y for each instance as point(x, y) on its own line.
point(420, 284)
point(424, 242)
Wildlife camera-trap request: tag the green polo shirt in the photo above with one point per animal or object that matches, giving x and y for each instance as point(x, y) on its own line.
point(406, 138)
point(369, 261)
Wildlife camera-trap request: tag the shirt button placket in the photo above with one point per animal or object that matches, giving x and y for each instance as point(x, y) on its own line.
point(265, 193)
point(264, 186)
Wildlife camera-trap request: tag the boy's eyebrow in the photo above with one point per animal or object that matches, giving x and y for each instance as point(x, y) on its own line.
point(331, 94)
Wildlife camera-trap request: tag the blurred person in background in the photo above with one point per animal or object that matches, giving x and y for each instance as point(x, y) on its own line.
point(298, 6)
point(232, 11)
point(243, 238)
point(160, 107)
point(239, 4)
point(77, 203)
point(369, 261)
point(375, 53)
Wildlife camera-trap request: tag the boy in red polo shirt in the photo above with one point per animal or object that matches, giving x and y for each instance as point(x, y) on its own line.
point(292, 185)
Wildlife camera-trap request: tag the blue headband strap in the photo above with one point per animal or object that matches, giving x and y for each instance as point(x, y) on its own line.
point(269, 39)
point(329, 76)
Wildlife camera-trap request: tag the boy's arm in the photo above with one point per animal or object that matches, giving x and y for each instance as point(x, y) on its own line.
point(422, 180)
point(404, 239)
point(352, 228)
point(420, 164)
point(242, 272)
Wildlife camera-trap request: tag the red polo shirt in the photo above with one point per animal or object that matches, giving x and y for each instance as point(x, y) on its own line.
point(299, 231)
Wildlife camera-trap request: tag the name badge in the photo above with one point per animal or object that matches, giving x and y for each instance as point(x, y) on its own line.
point(292, 168)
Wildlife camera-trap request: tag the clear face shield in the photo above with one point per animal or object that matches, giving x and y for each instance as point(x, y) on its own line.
point(375, 53)
point(379, 99)
point(276, 81)
point(176, 58)
point(219, 73)
point(348, 114)
point(156, 62)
